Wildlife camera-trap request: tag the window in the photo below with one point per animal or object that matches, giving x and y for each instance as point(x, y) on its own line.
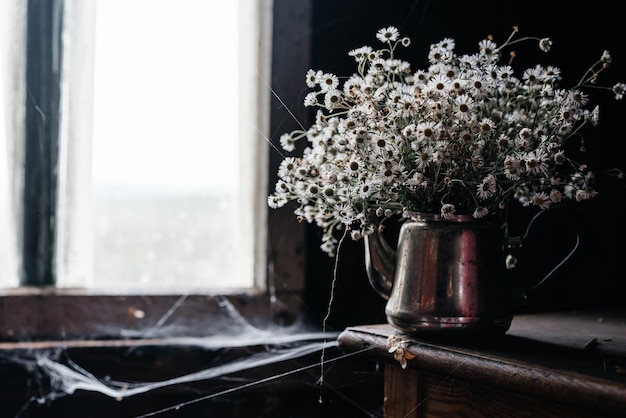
point(144, 149)
point(171, 199)
point(50, 203)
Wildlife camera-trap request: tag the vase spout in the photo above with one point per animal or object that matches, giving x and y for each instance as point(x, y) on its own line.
point(380, 261)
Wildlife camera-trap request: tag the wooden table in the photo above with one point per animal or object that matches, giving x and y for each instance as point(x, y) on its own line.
point(563, 364)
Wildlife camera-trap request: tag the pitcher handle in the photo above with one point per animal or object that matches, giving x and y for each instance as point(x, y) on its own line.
point(557, 215)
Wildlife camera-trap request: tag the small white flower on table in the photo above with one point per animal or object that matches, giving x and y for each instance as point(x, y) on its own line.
point(398, 345)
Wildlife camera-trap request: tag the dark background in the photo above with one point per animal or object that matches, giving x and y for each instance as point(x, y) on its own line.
point(595, 275)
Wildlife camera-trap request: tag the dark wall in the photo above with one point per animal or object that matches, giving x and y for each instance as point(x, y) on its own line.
point(595, 276)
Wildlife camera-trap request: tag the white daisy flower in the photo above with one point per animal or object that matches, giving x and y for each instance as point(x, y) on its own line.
point(545, 44)
point(447, 211)
point(388, 34)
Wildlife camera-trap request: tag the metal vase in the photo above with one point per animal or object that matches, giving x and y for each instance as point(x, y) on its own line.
point(446, 277)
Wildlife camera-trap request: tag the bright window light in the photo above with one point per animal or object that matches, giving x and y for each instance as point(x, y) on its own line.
point(167, 195)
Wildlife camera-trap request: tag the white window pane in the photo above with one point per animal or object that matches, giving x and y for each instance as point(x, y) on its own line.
point(166, 147)
point(12, 88)
point(8, 237)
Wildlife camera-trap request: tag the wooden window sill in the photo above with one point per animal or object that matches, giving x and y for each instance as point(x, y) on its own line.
point(48, 314)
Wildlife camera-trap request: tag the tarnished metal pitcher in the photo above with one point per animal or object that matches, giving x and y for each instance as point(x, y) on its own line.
point(446, 276)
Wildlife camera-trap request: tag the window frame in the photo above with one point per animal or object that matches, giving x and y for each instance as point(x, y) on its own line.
point(38, 310)
point(44, 57)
